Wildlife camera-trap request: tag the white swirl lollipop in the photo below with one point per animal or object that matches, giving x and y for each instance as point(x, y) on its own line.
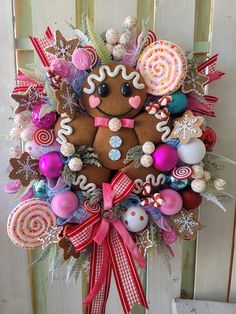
point(163, 66)
point(28, 222)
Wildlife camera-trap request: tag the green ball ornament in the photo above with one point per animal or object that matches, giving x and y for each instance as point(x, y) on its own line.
point(178, 103)
point(40, 189)
point(176, 184)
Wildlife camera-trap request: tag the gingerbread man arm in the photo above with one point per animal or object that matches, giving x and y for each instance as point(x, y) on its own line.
point(82, 129)
point(145, 127)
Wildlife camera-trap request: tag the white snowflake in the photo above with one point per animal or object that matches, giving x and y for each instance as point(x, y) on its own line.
point(186, 223)
point(27, 168)
point(186, 126)
point(70, 101)
point(62, 50)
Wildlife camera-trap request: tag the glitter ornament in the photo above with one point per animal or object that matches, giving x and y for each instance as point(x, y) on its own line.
point(191, 199)
point(81, 59)
point(28, 133)
point(118, 52)
point(23, 118)
point(198, 172)
point(112, 36)
point(148, 148)
point(165, 157)
point(176, 184)
point(64, 204)
point(109, 47)
point(220, 184)
point(169, 237)
point(75, 164)
point(130, 22)
point(207, 176)
point(198, 185)
point(135, 219)
point(172, 202)
point(67, 149)
point(47, 121)
point(124, 39)
point(146, 161)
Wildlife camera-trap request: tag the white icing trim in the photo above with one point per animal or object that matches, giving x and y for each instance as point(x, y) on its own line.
point(65, 130)
point(135, 76)
point(81, 182)
point(150, 178)
point(138, 186)
point(162, 127)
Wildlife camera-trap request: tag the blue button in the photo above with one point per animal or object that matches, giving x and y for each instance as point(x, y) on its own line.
point(115, 141)
point(114, 154)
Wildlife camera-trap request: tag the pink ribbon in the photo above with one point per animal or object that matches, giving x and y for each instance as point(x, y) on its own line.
point(101, 121)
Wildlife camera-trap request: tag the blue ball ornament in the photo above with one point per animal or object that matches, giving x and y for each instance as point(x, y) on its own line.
point(176, 184)
point(178, 103)
point(40, 189)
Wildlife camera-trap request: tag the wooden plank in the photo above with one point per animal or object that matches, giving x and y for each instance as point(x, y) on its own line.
point(145, 11)
point(188, 269)
point(162, 287)
point(214, 242)
point(15, 288)
point(202, 307)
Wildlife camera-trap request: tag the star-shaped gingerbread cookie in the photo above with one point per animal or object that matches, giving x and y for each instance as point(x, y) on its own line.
point(27, 100)
point(194, 81)
point(67, 101)
point(68, 249)
point(186, 224)
point(24, 168)
point(62, 48)
point(52, 235)
point(187, 127)
point(143, 241)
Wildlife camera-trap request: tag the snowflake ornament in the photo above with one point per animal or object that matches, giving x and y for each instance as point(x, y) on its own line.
point(186, 224)
point(67, 101)
point(52, 235)
point(187, 127)
point(24, 168)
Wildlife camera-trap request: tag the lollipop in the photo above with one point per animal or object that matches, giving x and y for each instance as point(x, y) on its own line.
point(28, 222)
point(163, 66)
point(44, 137)
point(150, 39)
point(93, 54)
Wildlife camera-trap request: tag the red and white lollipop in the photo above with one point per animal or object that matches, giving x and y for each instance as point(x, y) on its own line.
point(182, 173)
point(44, 137)
point(93, 54)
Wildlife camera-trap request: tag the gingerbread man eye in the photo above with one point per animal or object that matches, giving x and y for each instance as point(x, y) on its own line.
point(126, 89)
point(103, 89)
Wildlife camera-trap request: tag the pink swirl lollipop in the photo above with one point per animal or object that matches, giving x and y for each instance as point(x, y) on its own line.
point(28, 222)
point(93, 54)
point(182, 173)
point(163, 66)
point(44, 137)
point(93, 209)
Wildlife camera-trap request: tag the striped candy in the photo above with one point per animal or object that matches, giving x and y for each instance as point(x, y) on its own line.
point(93, 54)
point(182, 173)
point(44, 137)
point(150, 39)
point(92, 208)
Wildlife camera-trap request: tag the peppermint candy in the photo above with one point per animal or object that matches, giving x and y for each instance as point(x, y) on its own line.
point(92, 208)
point(93, 54)
point(146, 188)
point(182, 173)
point(150, 39)
point(152, 107)
point(44, 137)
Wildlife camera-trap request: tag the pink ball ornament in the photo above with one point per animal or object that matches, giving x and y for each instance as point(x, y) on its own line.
point(64, 204)
point(82, 59)
point(47, 121)
point(172, 202)
point(165, 157)
point(169, 237)
point(50, 165)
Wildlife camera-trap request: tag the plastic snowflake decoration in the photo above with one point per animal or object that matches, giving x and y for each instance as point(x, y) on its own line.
point(187, 127)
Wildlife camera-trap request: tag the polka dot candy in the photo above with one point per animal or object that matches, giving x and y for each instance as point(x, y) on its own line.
point(163, 66)
point(28, 222)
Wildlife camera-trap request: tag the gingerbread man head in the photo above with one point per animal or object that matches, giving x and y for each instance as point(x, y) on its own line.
point(114, 90)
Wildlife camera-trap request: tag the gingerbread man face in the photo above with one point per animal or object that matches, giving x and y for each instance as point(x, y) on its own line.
point(114, 90)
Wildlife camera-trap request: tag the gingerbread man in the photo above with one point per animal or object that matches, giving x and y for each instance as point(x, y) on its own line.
point(113, 96)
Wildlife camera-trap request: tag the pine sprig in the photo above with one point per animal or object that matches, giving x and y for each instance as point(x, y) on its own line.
point(221, 158)
point(213, 198)
point(134, 154)
point(75, 265)
point(68, 175)
point(87, 155)
point(98, 43)
point(51, 96)
point(44, 254)
point(142, 37)
point(53, 259)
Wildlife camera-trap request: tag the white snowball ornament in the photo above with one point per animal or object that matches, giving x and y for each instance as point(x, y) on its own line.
point(207, 176)
point(148, 148)
point(146, 161)
point(198, 185)
point(118, 52)
point(109, 47)
point(112, 36)
point(220, 184)
point(32, 149)
point(125, 39)
point(75, 164)
point(28, 133)
point(67, 149)
point(130, 22)
point(198, 172)
point(15, 133)
point(23, 118)
point(192, 152)
point(135, 219)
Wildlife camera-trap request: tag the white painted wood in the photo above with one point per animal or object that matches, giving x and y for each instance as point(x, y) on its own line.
point(214, 242)
point(15, 296)
point(111, 13)
point(162, 287)
point(202, 307)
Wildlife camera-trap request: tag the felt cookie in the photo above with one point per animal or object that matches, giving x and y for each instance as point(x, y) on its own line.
point(194, 81)
point(24, 168)
point(68, 249)
point(67, 102)
point(62, 48)
point(187, 127)
point(28, 100)
point(186, 224)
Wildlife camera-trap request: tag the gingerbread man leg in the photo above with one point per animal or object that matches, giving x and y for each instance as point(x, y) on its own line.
point(141, 175)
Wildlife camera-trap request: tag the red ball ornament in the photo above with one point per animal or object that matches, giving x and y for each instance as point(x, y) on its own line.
point(209, 138)
point(191, 199)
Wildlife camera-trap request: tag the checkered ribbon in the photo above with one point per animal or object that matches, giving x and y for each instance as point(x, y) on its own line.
point(40, 44)
point(209, 68)
point(202, 107)
point(23, 83)
point(115, 252)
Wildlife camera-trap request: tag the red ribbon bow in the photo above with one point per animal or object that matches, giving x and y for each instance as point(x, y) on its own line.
point(113, 249)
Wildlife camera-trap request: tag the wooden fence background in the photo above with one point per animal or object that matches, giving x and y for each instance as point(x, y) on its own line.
point(202, 269)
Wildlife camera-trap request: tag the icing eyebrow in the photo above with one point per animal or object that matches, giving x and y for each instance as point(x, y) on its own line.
point(134, 76)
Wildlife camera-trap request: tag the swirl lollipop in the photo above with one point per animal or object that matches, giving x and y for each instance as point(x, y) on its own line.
point(93, 54)
point(182, 173)
point(28, 222)
point(44, 137)
point(163, 66)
